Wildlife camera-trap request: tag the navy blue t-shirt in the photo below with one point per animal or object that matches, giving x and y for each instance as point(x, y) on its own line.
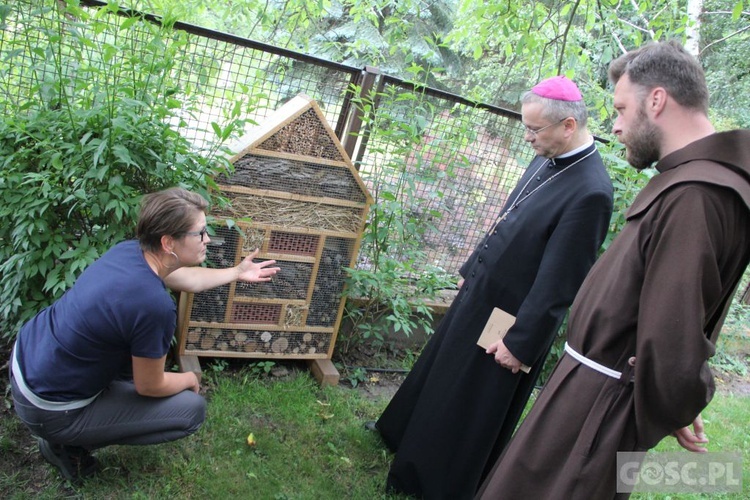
point(117, 308)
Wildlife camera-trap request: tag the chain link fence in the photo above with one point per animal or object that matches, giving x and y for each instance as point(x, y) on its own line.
point(461, 158)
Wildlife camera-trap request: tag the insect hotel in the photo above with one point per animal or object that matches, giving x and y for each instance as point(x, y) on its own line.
point(295, 195)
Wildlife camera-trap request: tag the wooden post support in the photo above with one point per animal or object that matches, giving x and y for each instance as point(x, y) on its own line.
point(189, 363)
point(349, 134)
point(324, 371)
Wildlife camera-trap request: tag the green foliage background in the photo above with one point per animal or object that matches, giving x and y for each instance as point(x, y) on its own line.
point(91, 134)
point(97, 127)
point(492, 51)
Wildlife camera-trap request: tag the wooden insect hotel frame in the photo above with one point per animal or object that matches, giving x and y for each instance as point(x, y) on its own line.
point(305, 206)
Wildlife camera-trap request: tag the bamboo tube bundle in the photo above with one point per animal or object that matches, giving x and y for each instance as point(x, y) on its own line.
point(305, 136)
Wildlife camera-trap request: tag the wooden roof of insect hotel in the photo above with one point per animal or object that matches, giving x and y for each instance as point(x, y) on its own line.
point(295, 155)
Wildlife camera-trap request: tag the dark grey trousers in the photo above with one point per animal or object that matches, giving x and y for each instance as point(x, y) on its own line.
point(119, 415)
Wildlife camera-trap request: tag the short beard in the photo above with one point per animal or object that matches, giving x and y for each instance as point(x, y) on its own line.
point(643, 142)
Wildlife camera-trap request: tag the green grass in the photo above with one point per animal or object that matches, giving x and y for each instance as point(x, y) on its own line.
point(726, 421)
point(310, 444)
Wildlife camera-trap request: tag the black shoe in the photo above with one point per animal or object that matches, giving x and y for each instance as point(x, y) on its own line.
point(73, 462)
point(372, 425)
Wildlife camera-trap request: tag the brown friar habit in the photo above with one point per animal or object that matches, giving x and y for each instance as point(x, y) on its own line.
point(659, 293)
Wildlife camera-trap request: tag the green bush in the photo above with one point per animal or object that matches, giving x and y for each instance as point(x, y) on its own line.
point(94, 131)
point(390, 288)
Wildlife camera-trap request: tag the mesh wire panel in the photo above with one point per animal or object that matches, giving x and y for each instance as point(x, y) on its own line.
point(212, 71)
point(329, 282)
point(468, 160)
point(210, 306)
point(278, 78)
point(26, 25)
point(292, 282)
point(471, 156)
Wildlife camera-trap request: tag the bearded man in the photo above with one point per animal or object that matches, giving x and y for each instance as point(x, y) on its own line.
point(647, 317)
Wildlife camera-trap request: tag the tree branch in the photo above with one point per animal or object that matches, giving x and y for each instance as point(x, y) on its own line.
point(724, 39)
point(565, 36)
point(619, 43)
point(637, 9)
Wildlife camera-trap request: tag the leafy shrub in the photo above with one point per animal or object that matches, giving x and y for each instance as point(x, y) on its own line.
point(93, 132)
point(390, 288)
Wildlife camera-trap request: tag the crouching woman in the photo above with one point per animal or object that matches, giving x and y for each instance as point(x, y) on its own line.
point(89, 370)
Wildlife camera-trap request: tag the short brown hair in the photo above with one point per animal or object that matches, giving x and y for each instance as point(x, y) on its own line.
point(170, 212)
point(668, 65)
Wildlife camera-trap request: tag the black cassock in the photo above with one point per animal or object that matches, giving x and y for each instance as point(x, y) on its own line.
point(457, 409)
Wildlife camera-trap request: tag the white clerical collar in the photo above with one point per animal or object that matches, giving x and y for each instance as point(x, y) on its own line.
point(577, 150)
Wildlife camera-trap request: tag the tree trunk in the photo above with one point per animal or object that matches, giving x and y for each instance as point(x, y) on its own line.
point(693, 29)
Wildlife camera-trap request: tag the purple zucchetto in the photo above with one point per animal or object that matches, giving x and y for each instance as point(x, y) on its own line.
point(558, 88)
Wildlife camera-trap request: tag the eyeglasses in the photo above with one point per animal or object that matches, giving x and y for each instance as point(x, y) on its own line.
point(200, 233)
point(535, 131)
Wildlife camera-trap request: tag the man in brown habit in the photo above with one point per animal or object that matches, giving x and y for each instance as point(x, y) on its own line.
point(646, 318)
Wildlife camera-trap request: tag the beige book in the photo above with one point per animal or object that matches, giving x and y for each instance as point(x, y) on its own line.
point(496, 328)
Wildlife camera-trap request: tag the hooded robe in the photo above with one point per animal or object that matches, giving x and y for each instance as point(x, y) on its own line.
point(659, 293)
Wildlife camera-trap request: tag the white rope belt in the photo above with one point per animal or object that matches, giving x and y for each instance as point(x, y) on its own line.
point(591, 363)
